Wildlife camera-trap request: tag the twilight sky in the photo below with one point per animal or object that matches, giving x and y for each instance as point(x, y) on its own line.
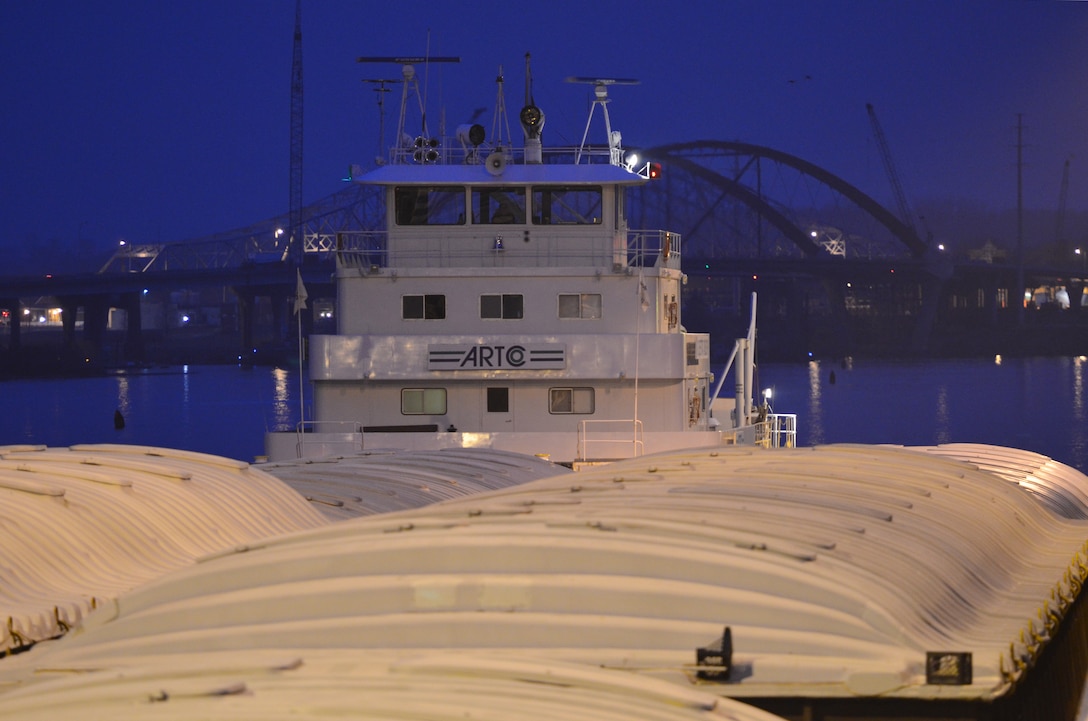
point(165, 120)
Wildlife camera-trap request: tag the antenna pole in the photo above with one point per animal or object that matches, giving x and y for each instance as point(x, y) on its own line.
point(411, 81)
point(501, 120)
point(295, 194)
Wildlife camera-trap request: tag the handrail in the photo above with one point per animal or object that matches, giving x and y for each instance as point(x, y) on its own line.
point(478, 247)
point(347, 430)
point(635, 441)
point(778, 431)
point(447, 152)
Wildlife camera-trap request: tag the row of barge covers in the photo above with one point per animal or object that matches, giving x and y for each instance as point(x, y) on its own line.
point(836, 582)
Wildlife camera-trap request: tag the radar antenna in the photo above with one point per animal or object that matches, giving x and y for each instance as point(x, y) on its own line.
point(411, 85)
point(600, 97)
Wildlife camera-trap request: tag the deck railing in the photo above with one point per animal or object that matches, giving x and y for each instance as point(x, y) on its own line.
point(328, 437)
point(778, 431)
point(492, 247)
point(626, 435)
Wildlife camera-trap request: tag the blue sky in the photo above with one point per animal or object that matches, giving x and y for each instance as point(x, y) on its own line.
point(157, 121)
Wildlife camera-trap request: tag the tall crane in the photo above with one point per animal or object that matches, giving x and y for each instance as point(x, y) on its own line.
point(295, 243)
point(905, 213)
point(1059, 230)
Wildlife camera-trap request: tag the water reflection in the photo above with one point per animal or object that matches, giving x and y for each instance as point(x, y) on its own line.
point(815, 412)
point(124, 401)
point(1078, 442)
point(281, 401)
point(943, 432)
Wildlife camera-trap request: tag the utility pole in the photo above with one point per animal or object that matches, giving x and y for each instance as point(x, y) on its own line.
point(295, 243)
point(1020, 218)
point(1059, 221)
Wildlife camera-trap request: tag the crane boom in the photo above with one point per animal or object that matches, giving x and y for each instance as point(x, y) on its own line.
point(905, 213)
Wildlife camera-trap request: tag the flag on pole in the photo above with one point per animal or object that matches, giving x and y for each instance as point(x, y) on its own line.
point(300, 293)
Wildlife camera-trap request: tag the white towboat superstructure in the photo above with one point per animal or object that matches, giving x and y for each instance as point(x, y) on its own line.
point(507, 304)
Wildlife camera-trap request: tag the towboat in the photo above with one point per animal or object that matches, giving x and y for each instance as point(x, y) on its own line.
point(507, 304)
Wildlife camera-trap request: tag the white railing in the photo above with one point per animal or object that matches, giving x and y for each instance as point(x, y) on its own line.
point(631, 445)
point(433, 151)
point(479, 248)
point(778, 431)
point(328, 437)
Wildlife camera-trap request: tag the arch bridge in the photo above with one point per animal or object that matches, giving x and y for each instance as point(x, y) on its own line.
point(836, 271)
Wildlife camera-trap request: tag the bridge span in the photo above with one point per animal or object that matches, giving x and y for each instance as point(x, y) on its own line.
point(837, 273)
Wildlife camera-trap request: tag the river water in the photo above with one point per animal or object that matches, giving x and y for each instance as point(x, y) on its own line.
point(1037, 404)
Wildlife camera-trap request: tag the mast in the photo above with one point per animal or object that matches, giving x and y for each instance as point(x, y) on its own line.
point(295, 192)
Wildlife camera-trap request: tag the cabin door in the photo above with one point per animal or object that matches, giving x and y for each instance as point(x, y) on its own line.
point(498, 405)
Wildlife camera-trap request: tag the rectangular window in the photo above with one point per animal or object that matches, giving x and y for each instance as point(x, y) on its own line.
point(579, 305)
point(511, 306)
point(423, 307)
point(692, 356)
point(498, 205)
point(430, 205)
point(567, 205)
point(423, 401)
point(498, 400)
point(570, 400)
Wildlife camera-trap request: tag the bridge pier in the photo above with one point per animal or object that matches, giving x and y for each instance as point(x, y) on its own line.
point(69, 310)
point(96, 316)
point(246, 320)
point(134, 335)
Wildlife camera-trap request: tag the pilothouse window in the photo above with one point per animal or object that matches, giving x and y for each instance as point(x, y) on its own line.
point(567, 205)
point(430, 205)
point(498, 205)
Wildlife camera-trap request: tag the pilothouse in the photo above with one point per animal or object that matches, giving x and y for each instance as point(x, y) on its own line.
point(507, 304)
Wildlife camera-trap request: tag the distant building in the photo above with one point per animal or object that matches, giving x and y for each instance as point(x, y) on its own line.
point(988, 253)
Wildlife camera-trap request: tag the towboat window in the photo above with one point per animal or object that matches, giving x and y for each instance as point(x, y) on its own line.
point(579, 305)
point(502, 306)
point(498, 400)
point(498, 205)
point(566, 205)
point(430, 205)
point(423, 401)
point(570, 400)
point(423, 307)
